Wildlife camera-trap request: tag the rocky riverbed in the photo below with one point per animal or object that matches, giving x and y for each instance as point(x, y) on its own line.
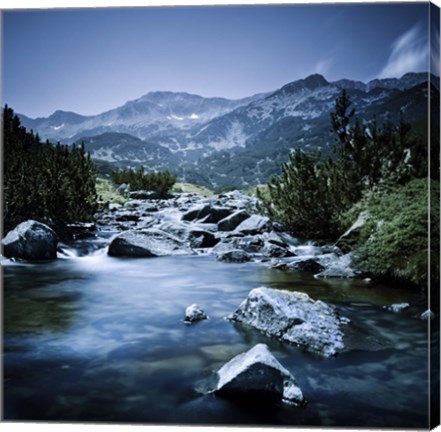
point(117, 310)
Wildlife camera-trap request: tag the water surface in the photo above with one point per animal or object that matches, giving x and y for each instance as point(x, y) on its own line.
point(96, 338)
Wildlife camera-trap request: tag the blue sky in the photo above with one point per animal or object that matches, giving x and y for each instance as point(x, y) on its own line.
point(92, 60)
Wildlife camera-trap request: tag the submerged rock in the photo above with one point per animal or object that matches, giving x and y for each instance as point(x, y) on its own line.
point(147, 243)
point(30, 240)
point(300, 264)
point(427, 315)
point(194, 313)
point(292, 317)
point(397, 307)
point(257, 373)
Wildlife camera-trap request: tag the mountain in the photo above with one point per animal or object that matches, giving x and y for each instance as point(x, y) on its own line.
point(219, 142)
point(151, 114)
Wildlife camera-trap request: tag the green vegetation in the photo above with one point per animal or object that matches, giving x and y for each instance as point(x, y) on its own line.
point(379, 168)
point(53, 184)
point(160, 182)
point(107, 193)
point(191, 188)
point(393, 243)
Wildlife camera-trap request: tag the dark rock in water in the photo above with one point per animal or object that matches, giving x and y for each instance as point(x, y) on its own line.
point(146, 195)
point(234, 256)
point(257, 374)
point(30, 240)
point(197, 212)
point(216, 214)
point(232, 221)
point(127, 217)
point(147, 243)
point(293, 317)
point(255, 224)
point(81, 230)
point(271, 250)
point(202, 239)
point(308, 265)
point(194, 313)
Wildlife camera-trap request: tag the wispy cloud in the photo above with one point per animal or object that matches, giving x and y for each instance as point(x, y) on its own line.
point(323, 66)
point(409, 53)
point(435, 51)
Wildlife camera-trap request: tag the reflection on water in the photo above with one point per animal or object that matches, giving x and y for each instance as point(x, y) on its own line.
point(96, 338)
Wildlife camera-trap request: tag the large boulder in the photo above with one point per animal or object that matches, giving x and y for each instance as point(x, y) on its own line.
point(233, 220)
point(200, 238)
point(255, 224)
point(147, 243)
point(293, 317)
point(197, 212)
point(30, 240)
point(256, 374)
point(216, 214)
point(234, 256)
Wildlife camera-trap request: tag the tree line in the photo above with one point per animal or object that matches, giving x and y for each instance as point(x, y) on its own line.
point(160, 182)
point(53, 184)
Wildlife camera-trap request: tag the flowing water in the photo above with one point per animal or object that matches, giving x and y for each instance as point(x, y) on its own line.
point(95, 338)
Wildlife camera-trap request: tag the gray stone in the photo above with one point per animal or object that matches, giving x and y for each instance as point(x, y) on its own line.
point(258, 374)
point(202, 239)
point(232, 221)
point(216, 214)
point(194, 313)
point(427, 315)
point(147, 243)
point(255, 224)
point(123, 189)
point(397, 307)
point(234, 256)
point(197, 212)
point(30, 240)
point(292, 317)
point(301, 264)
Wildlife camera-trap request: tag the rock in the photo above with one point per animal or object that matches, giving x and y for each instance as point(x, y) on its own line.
point(234, 256)
point(397, 307)
point(216, 214)
point(292, 317)
point(123, 189)
point(250, 244)
point(271, 250)
point(427, 315)
point(30, 240)
point(232, 221)
point(349, 239)
point(114, 207)
point(255, 224)
point(147, 243)
point(308, 265)
point(127, 217)
point(146, 195)
point(194, 313)
point(258, 374)
point(336, 266)
point(197, 212)
point(202, 239)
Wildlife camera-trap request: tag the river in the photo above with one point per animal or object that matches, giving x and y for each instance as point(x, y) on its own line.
point(102, 339)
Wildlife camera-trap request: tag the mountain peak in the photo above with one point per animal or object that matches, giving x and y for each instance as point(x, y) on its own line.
point(311, 82)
